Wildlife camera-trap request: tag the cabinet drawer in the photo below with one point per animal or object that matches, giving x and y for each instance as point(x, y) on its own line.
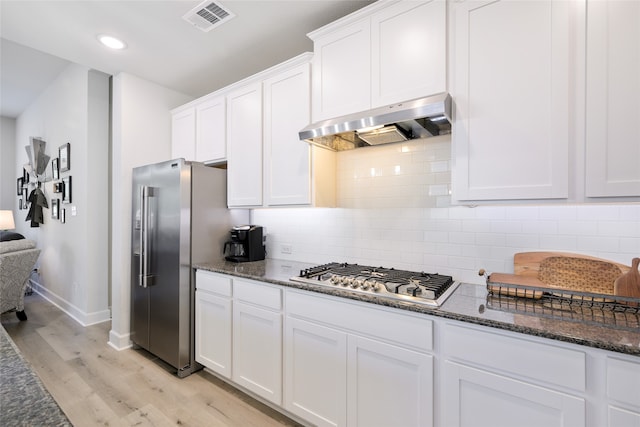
point(521, 357)
point(213, 282)
point(623, 381)
point(258, 294)
point(413, 331)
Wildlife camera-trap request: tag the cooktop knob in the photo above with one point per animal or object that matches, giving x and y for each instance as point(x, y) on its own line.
point(374, 285)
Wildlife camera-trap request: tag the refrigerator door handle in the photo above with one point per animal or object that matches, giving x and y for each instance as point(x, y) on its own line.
point(144, 278)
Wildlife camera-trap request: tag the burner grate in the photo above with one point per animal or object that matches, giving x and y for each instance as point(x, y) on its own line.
point(425, 285)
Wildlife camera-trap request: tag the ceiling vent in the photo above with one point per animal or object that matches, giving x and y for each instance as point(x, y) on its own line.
point(208, 15)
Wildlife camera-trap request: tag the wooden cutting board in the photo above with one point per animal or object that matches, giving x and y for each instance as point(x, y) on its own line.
point(558, 271)
point(528, 263)
point(579, 274)
point(628, 285)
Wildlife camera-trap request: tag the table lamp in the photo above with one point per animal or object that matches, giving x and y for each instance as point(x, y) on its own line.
point(6, 220)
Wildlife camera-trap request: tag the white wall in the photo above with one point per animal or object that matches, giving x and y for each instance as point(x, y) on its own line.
point(73, 263)
point(8, 171)
point(396, 212)
point(141, 136)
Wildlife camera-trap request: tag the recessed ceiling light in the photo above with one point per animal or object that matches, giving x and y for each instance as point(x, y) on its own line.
point(111, 42)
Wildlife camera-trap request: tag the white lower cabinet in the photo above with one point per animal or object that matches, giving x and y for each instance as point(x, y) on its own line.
point(257, 338)
point(383, 376)
point(315, 372)
point(623, 392)
point(238, 330)
point(498, 379)
point(478, 398)
point(329, 361)
point(213, 322)
point(346, 364)
point(257, 350)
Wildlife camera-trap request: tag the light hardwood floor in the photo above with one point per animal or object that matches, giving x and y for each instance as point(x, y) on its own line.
point(96, 385)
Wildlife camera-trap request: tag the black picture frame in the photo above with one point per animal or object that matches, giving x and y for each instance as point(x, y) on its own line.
point(55, 208)
point(19, 204)
point(63, 215)
point(19, 185)
point(25, 198)
point(66, 189)
point(25, 175)
point(64, 156)
point(55, 168)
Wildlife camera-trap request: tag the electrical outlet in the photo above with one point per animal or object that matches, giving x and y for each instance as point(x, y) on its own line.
point(286, 249)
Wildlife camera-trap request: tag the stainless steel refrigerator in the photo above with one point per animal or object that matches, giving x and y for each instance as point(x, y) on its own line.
point(180, 217)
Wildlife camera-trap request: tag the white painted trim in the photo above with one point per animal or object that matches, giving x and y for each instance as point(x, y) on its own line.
point(119, 341)
point(83, 318)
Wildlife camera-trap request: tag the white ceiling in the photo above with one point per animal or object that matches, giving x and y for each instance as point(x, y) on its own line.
point(39, 37)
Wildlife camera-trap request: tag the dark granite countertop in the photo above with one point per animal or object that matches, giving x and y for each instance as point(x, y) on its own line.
point(593, 327)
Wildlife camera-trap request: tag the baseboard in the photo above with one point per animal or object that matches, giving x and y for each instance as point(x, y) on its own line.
point(119, 341)
point(83, 318)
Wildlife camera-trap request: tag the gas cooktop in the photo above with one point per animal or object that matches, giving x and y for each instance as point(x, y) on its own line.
point(422, 288)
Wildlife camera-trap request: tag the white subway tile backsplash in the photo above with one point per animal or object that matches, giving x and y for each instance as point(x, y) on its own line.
point(438, 190)
point(630, 213)
point(566, 243)
point(540, 227)
point(440, 166)
point(523, 212)
point(559, 213)
point(395, 210)
point(522, 241)
point(599, 212)
point(598, 244)
point(506, 226)
point(577, 227)
point(630, 245)
point(476, 226)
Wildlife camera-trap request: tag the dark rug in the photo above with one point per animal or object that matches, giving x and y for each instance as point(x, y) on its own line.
point(23, 399)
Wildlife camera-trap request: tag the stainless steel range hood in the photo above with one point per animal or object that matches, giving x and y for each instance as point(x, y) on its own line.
point(418, 118)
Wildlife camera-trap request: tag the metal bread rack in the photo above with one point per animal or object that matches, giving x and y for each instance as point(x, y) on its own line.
point(599, 309)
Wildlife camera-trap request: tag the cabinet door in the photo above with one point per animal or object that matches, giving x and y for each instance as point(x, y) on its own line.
point(287, 105)
point(183, 134)
point(315, 373)
point(511, 93)
point(244, 146)
point(613, 99)
point(383, 376)
point(622, 417)
point(623, 378)
point(478, 398)
point(341, 71)
point(213, 332)
point(211, 130)
point(257, 350)
point(408, 51)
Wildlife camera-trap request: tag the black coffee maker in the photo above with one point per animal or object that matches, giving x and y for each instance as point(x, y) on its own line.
point(246, 244)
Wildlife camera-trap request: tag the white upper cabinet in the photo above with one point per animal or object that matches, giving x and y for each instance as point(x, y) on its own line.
point(268, 165)
point(408, 51)
point(385, 53)
point(211, 130)
point(295, 173)
point(287, 161)
point(198, 131)
point(613, 99)
point(244, 146)
point(511, 68)
point(183, 134)
point(341, 71)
